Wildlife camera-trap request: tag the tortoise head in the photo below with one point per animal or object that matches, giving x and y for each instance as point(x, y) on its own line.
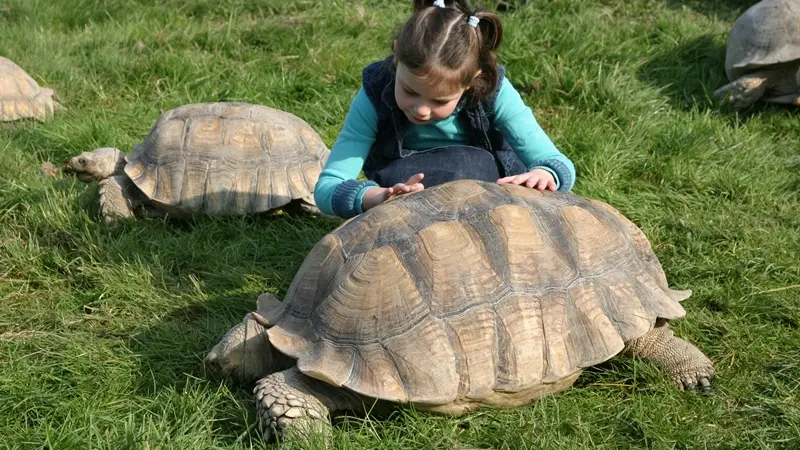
point(97, 165)
point(244, 353)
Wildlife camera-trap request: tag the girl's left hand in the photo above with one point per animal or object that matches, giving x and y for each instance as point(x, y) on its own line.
point(537, 178)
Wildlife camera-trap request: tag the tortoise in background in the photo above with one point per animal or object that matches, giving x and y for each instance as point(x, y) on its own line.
point(763, 56)
point(460, 296)
point(21, 96)
point(212, 158)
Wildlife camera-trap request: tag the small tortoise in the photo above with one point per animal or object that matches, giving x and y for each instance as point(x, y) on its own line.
point(213, 158)
point(460, 296)
point(20, 95)
point(763, 57)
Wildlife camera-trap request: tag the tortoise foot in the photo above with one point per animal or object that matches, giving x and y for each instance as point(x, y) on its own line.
point(742, 92)
point(695, 380)
point(683, 362)
point(309, 206)
point(687, 365)
point(288, 408)
point(115, 201)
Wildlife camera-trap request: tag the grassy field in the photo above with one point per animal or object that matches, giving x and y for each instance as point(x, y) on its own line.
point(103, 331)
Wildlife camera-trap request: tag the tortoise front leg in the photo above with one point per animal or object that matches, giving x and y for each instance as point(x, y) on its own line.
point(306, 205)
point(744, 91)
point(117, 199)
point(682, 361)
point(296, 406)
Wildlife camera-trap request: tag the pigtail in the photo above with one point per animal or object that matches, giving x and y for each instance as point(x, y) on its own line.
point(490, 35)
point(491, 30)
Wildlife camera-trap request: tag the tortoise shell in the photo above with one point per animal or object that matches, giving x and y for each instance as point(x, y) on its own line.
point(232, 158)
point(767, 33)
point(20, 96)
point(469, 294)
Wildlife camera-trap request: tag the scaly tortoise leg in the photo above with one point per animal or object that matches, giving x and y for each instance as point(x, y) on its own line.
point(295, 406)
point(682, 361)
point(116, 199)
point(744, 91)
point(308, 205)
point(303, 205)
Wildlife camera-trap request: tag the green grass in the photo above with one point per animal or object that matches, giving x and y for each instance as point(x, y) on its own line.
point(103, 331)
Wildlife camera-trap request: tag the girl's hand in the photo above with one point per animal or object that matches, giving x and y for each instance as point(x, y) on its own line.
point(537, 178)
point(412, 185)
point(375, 196)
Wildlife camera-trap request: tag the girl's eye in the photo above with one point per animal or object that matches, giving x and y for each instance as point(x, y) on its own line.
point(411, 93)
point(442, 102)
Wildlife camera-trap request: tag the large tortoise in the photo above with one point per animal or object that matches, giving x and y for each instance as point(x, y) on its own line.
point(460, 296)
point(213, 158)
point(21, 96)
point(763, 56)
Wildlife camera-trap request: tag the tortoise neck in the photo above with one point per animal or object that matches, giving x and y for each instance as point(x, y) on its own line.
point(119, 165)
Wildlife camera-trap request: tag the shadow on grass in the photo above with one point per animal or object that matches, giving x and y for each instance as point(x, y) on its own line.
point(174, 348)
point(171, 353)
point(238, 259)
point(689, 73)
point(204, 274)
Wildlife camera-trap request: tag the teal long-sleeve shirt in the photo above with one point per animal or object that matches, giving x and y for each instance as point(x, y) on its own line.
point(512, 118)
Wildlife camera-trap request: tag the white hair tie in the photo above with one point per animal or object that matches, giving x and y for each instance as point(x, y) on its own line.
point(473, 21)
point(439, 3)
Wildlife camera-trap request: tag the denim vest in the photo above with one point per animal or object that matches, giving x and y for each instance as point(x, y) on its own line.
point(379, 79)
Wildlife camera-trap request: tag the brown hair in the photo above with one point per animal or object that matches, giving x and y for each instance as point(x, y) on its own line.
point(439, 44)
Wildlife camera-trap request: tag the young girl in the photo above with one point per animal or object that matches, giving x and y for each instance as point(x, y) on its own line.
point(439, 109)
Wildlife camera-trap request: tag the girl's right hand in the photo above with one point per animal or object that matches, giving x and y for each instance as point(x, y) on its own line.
point(375, 196)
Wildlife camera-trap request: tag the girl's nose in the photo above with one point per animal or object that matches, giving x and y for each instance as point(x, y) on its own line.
point(422, 110)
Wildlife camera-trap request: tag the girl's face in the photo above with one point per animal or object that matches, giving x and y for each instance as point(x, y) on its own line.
point(421, 102)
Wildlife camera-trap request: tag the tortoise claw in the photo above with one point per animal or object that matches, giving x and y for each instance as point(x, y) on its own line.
point(701, 383)
point(705, 385)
